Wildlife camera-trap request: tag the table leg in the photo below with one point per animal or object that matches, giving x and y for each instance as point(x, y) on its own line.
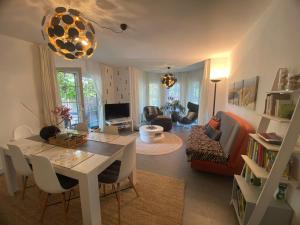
point(9, 173)
point(133, 175)
point(90, 200)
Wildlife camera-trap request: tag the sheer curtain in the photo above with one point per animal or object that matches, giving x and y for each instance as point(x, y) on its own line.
point(93, 70)
point(49, 85)
point(137, 96)
point(203, 115)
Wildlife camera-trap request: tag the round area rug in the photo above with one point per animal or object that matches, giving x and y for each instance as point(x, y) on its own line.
point(168, 144)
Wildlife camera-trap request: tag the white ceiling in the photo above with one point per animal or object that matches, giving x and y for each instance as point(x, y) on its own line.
point(161, 32)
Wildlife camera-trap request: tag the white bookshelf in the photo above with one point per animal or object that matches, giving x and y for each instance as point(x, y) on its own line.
point(260, 206)
point(272, 147)
point(261, 172)
point(275, 118)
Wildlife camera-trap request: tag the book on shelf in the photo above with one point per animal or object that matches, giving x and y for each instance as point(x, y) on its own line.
point(264, 158)
point(270, 102)
point(241, 203)
point(271, 138)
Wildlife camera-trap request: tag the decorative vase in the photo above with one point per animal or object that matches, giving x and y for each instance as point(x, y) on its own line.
point(49, 131)
point(280, 192)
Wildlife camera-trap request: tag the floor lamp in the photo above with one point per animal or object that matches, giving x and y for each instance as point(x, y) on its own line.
point(215, 81)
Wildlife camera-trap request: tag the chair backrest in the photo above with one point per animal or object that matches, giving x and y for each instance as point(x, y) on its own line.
point(81, 126)
point(22, 131)
point(150, 112)
point(19, 162)
point(128, 161)
point(44, 175)
point(111, 130)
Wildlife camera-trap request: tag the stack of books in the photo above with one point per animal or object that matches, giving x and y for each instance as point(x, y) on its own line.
point(275, 102)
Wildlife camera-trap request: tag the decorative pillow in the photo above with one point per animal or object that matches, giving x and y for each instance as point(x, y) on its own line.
point(213, 133)
point(214, 122)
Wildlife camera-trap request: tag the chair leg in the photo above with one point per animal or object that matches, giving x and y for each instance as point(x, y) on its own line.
point(68, 201)
point(118, 200)
point(25, 179)
point(65, 206)
point(44, 207)
point(133, 186)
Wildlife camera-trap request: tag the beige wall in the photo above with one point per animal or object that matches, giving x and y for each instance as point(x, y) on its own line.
point(273, 42)
point(19, 84)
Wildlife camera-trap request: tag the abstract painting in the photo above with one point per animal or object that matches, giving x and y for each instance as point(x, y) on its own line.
point(238, 92)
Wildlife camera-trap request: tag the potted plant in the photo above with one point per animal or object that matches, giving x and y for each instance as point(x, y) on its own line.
point(174, 108)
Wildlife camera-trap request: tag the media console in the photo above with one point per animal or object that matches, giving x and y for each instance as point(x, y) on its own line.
point(121, 123)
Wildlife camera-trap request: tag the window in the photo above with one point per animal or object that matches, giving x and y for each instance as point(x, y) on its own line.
point(193, 92)
point(154, 94)
point(173, 92)
point(79, 94)
point(69, 93)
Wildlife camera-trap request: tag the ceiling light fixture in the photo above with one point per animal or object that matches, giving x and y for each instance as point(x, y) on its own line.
point(168, 80)
point(70, 34)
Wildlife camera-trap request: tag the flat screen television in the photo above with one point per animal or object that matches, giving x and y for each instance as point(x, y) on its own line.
point(116, 111)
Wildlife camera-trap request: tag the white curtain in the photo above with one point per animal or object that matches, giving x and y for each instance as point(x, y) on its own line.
point(49, 85)
point(136, 95)
point(203, 115)
point(93, 71)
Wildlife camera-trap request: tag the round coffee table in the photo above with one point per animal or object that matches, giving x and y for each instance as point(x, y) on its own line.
point(151, 133)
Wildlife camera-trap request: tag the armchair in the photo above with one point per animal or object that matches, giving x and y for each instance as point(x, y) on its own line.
point(191, 116)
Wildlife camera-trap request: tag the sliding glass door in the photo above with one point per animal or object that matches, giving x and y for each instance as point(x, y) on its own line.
point(78, 93)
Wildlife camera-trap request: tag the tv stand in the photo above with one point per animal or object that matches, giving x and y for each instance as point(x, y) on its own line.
point(121, 123)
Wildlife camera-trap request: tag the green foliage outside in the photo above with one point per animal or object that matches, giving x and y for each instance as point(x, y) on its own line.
point(67, 87)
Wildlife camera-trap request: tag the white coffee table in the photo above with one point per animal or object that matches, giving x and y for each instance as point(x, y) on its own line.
point(151, 133)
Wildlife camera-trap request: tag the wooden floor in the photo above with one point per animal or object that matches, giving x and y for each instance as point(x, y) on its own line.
point(207, 195)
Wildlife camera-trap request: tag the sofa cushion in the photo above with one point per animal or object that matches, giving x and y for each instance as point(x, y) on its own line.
point(201, 147)
point(213, 133)
point(230, 129)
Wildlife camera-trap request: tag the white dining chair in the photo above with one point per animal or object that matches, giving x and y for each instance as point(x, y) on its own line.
point(81, 127)
point(111, 130)
point(21, 165)
point(50, 182)
point(22, 131)
point(119, 171)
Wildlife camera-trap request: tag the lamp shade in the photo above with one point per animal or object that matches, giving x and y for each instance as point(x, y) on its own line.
point(68, 34)
point(219, 68)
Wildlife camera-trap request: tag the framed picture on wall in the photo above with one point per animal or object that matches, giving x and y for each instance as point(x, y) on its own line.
point(250, 93)
point(238, 92)
point(231, 93)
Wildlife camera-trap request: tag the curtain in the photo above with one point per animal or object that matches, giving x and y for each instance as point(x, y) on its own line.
point(49, 85)
point(136, 95)
point(93, 71)
point(203, 115)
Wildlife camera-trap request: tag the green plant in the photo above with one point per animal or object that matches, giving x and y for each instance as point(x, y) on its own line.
point(173, 106)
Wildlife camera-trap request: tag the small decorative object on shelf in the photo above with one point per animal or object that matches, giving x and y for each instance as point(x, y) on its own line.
point(271, 138)
point(280, 194)
point(283, 78)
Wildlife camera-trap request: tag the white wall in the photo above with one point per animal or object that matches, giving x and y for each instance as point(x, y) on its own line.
point(273, 42)
point(19, 84)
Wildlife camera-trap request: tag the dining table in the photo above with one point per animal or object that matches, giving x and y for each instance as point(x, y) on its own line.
point(84, 163)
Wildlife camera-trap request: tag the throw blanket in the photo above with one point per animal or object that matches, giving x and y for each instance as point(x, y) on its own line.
point(201, 147)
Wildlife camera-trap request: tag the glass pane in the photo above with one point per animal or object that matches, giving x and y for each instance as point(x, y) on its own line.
point(68, 91)
point(90, 102)
point(154, 94)
point(173, 92)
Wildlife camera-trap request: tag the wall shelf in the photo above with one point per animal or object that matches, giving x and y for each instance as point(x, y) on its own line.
point(261, 172)
point(275, 118)
point(272, 147)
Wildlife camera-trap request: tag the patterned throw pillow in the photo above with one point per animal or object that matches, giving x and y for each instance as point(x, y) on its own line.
point(213, 133)
point(191, 115)
point(214, 122)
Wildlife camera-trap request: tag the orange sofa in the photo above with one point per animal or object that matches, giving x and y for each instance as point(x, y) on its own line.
point(222, 157)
